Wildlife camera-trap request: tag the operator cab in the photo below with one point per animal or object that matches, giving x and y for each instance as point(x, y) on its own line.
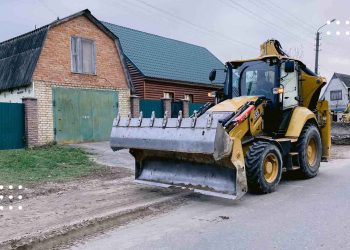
point(274, 78)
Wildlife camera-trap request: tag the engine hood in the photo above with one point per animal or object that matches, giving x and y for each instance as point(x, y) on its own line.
point(232, 104)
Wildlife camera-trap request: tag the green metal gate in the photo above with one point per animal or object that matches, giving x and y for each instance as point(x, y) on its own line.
point(194, 106)
point(147, 106)
point(82, 115)
point(175, 108)
point(12, 126)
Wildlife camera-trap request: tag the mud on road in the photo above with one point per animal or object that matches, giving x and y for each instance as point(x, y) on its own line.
point(55, 213)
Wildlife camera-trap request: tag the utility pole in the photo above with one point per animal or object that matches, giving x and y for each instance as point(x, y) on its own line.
point(318, 35)
point(317, 51)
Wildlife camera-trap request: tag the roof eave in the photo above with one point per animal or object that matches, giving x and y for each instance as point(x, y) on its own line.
point(197, 84)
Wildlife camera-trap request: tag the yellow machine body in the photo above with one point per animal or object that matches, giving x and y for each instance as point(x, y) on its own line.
point(211, 152)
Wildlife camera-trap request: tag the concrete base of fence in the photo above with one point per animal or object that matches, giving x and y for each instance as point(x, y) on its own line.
point(341, 133)
point(31, 121)
point(167, 105)
point(135, 105)
point(185, 108)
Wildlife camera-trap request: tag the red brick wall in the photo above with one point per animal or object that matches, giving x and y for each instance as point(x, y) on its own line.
point(154, 91)
point(54, 64)
point(31, 121)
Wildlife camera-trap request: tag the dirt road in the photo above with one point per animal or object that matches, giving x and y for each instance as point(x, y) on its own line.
point(301, 214)
point(53, 209)
point(59, 214)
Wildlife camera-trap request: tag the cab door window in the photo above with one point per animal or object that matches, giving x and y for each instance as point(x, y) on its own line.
point(289, 81)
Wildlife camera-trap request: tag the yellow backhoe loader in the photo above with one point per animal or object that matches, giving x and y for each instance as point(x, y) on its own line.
point(346, 114)
point(268, 119)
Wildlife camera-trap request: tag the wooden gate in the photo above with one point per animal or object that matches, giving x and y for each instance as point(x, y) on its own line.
point(12, 126)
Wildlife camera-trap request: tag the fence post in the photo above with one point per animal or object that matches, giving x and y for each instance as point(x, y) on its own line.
point(31, 121)
point(167, 105)
point(135, 105)
point(185, 108)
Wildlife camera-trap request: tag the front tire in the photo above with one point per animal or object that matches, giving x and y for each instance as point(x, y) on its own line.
point(309, 148)
point(263, 167)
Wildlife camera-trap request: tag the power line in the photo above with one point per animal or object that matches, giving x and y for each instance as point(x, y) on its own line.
point(233, 4)
point(296, 18)
point(48, 8)
point(288, 21)
point(193, 25)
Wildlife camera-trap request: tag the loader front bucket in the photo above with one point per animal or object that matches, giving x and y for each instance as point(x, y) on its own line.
point(192, 153)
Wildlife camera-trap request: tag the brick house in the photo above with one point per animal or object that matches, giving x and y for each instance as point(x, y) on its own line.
point(162, 68)
point(71, 76)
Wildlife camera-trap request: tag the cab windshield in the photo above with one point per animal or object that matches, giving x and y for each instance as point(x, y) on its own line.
point(256, 78)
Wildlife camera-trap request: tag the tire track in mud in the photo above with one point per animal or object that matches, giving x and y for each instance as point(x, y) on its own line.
point(62, 238)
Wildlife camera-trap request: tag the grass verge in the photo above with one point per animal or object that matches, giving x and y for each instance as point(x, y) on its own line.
point(50, 163)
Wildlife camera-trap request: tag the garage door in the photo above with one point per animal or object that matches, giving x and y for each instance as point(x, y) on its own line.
point(82, 115)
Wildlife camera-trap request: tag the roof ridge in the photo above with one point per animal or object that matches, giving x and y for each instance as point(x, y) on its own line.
point(25, 34)
point(200, 46)
point(58, 20)
point(341, 74)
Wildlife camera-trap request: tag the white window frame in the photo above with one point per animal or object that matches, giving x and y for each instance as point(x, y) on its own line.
point(77, 55)
point(169, 95)
point(189, 97)
point(333, 92)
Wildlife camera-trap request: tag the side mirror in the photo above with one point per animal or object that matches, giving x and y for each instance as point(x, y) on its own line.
point(212, 75)
point(289, 66)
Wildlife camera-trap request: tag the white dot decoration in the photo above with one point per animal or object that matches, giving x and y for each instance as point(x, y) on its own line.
point(10, 187)
point(20, 197)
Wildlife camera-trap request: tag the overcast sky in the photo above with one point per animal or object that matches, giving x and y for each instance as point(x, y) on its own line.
point(230, 29)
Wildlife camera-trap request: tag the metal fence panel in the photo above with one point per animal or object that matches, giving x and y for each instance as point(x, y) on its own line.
point(194, 106)
point(175, 108)
point(12, 134)
point(147, 106)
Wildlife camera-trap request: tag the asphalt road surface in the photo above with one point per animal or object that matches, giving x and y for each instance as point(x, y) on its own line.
point(301, 214)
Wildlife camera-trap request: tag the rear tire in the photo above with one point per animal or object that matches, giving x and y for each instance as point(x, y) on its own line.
point(309, 148)
point(263, 167)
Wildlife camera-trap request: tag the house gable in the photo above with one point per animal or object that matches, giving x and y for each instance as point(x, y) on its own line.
point(336, 84)
point(19, 56)
point(54, 64)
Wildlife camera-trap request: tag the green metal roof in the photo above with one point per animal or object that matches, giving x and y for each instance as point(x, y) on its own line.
point(165, 58)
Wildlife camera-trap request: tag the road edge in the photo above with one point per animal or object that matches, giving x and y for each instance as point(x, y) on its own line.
point(65, 235)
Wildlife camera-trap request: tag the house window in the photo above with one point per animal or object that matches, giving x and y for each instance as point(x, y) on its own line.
point(169, 95)
point(189, 97)
point(83, 53)
point(336, 95)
